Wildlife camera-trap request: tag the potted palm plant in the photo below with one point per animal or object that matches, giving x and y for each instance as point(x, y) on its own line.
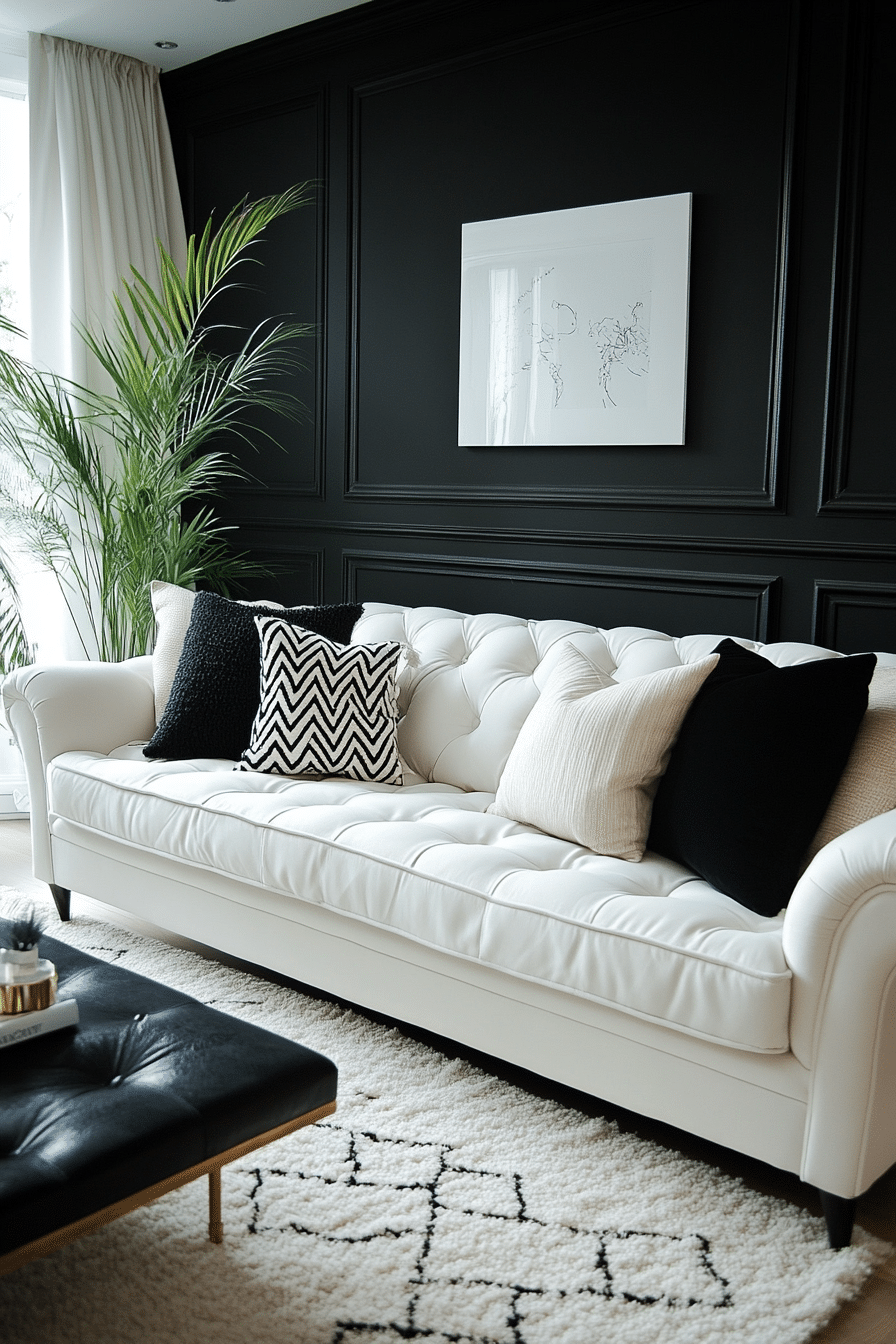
point(111, 489)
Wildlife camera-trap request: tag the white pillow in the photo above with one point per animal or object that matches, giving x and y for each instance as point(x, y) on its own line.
point(173, 608)
point(326, 709)
point(588, 759)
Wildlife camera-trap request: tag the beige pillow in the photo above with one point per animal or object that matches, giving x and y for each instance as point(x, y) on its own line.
point(589, 757)
point(868, 784)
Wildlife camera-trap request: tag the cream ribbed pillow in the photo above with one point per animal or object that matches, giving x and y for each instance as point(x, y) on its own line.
point(589, 756)
point(868, 784)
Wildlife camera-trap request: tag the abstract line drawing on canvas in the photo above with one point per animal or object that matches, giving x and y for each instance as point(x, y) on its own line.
point(574, 326)
point(626, 344)
point(619, 342)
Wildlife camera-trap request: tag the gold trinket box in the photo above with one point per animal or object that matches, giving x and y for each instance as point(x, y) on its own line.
point(27, 981)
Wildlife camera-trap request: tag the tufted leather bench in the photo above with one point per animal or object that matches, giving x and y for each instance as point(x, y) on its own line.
point(150, 1091)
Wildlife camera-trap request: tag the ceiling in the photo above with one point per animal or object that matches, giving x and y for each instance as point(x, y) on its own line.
point(199, 27)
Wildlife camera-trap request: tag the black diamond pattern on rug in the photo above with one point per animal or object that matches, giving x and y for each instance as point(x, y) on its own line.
point(449, 1217)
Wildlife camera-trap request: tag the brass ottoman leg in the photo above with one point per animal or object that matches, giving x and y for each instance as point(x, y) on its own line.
point(215, 1226)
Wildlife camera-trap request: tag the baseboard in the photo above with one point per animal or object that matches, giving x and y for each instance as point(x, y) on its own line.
point(10, 785)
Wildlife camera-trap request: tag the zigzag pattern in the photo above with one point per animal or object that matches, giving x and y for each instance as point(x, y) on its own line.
point(326, 709)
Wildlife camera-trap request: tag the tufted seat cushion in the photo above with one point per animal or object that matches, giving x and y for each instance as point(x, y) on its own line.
point(149, 1084)
point(428, 862)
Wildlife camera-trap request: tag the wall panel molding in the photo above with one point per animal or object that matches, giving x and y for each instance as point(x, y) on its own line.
point(731, 546)
point(835, 495)
point(559, 496)
point(843, 611)
point(760, 591)
point(284, 556)
point(767, 495)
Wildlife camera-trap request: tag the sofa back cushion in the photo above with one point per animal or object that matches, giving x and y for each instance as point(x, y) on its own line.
point(470, 681)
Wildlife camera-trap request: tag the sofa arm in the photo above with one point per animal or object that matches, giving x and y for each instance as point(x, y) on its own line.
point(840, 943)
point(73, 707)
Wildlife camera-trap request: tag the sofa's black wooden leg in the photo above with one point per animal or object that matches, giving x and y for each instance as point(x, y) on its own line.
point(839, 1214)
point(63, 898)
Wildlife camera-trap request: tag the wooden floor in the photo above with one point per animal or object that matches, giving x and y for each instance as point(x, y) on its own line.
point(870, 1319)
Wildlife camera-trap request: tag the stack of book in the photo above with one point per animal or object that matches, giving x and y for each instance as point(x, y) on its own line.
point(18, 1027)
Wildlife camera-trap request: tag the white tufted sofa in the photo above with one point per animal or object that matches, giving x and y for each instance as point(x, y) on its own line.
point(636, 982)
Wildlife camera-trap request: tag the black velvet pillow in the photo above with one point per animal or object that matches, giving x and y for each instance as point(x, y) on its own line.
point(759, 755)
point(217, 685)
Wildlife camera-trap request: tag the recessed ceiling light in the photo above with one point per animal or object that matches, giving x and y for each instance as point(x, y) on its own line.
point(166, 46)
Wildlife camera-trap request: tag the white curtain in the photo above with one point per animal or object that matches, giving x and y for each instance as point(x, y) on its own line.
point(103, 190)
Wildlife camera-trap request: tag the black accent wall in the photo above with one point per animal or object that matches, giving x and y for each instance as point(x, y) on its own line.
point(775, 519)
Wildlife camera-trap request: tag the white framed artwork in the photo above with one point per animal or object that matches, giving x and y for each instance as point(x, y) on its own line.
point(574, 326)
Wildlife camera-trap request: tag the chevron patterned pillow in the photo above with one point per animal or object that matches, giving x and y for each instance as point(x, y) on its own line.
point(326, 709)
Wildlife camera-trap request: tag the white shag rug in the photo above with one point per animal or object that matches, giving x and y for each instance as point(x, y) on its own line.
point(439, 1204)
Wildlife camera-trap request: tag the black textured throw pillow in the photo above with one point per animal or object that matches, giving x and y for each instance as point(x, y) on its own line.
point(758, 758)
point(217, 685)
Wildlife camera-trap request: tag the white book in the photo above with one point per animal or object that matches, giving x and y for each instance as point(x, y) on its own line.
point(16, 1027)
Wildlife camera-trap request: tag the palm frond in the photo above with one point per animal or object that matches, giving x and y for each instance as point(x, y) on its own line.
point(93, 484)
point(13, 640)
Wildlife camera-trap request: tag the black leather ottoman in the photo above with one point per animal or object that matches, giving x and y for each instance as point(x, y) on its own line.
point(150, 1091)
